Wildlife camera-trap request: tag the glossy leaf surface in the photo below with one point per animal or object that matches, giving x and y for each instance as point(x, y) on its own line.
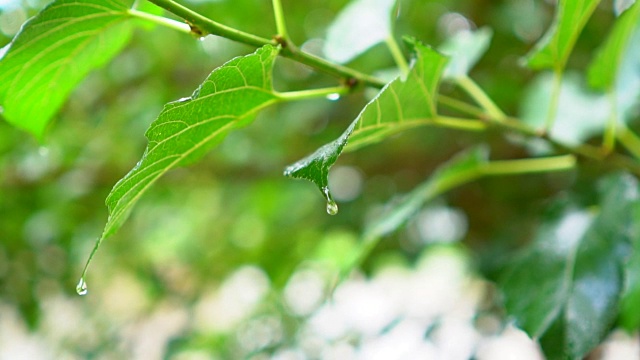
point(53, 52)
point(604, 69)
point(565, 287)
point(399, 105)
point(186, 129)
point(553, 49)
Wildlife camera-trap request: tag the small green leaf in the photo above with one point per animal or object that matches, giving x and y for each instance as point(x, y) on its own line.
point(53, 52)
point(186, 129)
point(570, 279)
point(553, 49)
point(604, 69)
point(398, 106)
point(358, 27)
point(464, 49)
point(580, 113)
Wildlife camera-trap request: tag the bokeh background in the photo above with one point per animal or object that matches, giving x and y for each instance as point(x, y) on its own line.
point(228, 259)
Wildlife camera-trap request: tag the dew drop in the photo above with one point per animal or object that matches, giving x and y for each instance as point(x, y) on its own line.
point(333, 97)
point(81, 288)
point(332, 207)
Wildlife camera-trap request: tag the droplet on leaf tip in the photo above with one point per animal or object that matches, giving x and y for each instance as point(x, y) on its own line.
point(332, 207)
point(81, 288)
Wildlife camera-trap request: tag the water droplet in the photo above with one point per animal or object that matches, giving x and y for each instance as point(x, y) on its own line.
point(81, 288)
point(332, 207)
point(333, 97)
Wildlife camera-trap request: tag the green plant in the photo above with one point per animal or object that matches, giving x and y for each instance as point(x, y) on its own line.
point(566, 288)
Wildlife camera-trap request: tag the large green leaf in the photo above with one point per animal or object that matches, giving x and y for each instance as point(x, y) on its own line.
point(400, 105)
point(604, 69)
point(553, 49)
point(565, 288)
point(186, 129)
point(53, 52)
point(361, 25)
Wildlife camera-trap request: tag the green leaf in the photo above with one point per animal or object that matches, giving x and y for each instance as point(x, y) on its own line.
point(464, 50)
point(580, 113)
point(570, 279)
point(398, 106)
point(53, 52)
point(554, 48)
point(186, 129)
point(358, 27)
point(629, 309)
point(603, 71)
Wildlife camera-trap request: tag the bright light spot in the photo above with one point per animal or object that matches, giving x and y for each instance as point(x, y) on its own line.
point(455, 338)
point(12, 20)
point(620, 6)
point(10, 4)
point(511, 344)
point(571, 229)
point(441, 224)
point(345, 183)
point(259, 333)
point(304, 291)
point(621, 345)
point(289, 354)
point(333, 97)
point(452, 23)
point(365, 307)
point(236, 298)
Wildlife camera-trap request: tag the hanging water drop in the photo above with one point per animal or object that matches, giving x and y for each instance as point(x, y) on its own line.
point(81, 288)
point(332, 207)
point(333, 96)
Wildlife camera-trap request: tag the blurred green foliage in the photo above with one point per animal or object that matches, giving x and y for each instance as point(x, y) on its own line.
point(235, 209)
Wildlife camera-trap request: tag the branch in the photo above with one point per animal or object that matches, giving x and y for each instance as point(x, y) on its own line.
point(209, 26)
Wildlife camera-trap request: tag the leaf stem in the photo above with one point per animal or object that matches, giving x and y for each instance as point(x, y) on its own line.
point(609, 141)
point(288, 50)
point(528, 166)
point(330, 68)
point(459, 123)
point(281, 25)
point(461, 106)
point(210, 26)
point(398, 57)
point(555, 101)
point(480, 97)
point(166, 22)
point(313, 93)
point(629, 140)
